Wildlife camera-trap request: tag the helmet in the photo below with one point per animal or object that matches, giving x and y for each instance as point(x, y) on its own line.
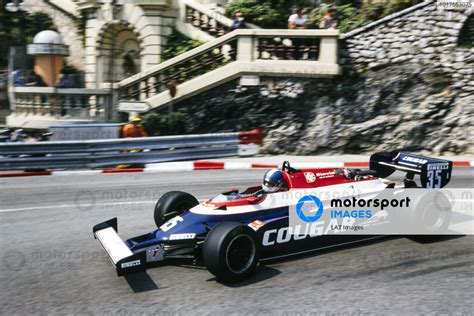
point(272, 180)
point(135, 118)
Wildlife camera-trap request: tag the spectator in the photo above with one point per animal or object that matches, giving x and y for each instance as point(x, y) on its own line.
point(18, 78)
point(329, 20)
point(134, 128)
point(35, 80)
point(239, 22)
point(63, 80)
point(298, 20)
point(128, 64)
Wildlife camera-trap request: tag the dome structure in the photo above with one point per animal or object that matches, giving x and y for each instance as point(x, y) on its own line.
point(48, 43)
point(47, 37)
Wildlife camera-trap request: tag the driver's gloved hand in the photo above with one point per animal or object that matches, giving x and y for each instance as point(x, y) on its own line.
point(349, 173)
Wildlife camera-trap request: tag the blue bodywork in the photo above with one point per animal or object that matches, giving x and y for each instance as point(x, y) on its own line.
point(200, 225)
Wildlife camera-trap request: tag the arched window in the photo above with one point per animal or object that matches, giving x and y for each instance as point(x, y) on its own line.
point(466, 36)
point(118, 53)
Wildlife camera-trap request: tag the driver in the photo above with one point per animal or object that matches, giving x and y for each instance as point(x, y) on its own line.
point(273, 181)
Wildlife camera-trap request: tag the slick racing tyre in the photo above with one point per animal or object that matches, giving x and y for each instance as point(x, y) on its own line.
point(231, 252)
point(172, 204)
point(431, 217)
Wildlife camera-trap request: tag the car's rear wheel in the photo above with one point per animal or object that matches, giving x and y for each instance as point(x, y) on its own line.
point(231, 252)
point(431, 217)
point(172, 204)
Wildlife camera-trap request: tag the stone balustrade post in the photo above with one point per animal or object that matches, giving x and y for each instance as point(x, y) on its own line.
point(245, 48)
point(328, 50)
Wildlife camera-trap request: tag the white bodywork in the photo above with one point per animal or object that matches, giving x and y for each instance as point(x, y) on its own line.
point(113, 245)
point(362, 189)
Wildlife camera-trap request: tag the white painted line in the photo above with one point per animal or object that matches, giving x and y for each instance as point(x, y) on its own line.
point(72, 206)
point(170, 166)
point(75, 172)
point(237, 165)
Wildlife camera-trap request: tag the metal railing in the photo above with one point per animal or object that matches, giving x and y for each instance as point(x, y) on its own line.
point(106, 153)
point(60, 103)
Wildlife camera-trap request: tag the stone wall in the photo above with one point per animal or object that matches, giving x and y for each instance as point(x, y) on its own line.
point(406, 85)
point(426, 34)
point(66, 27)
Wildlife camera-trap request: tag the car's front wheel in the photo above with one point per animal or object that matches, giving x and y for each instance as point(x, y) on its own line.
point(231, 252)
point(172, 204)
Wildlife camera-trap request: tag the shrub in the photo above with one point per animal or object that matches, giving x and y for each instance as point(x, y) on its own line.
point(351, 14)
point(263, 14)
point(19, 28)
point(177, 44)
point(156, 123)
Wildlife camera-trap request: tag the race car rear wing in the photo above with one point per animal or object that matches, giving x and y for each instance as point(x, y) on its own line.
point(124, 260)
point(434, 172)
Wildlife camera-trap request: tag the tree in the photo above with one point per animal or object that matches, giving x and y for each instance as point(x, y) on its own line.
point(19, 28)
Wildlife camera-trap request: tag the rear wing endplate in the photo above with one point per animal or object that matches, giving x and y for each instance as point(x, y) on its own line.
point(434, 172)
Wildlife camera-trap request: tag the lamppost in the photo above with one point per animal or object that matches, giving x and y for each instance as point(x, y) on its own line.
point(12, 7)
point(15, 6)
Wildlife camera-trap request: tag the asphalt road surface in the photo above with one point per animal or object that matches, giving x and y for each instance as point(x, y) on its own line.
point(50, 263)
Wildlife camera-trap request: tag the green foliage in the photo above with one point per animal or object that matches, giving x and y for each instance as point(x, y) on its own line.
point(178, 44)
point(263, 14)
point(35, 23)
point(351, 14)
point(398, 5)
point(19, 28)
point(156, 123)
point(349, 18)
point(266, 14)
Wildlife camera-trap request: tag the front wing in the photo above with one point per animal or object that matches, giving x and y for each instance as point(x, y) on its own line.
point(124, 260)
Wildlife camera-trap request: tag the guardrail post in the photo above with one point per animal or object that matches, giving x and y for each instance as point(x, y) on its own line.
point(245, 48)
point(328, 51)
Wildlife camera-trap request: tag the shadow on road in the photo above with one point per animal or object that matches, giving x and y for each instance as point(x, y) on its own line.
point(335, 248)
point(428, 239)
point(140, 282)
point(263, 273)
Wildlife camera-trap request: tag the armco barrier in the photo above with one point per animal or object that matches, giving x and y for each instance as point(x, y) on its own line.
point(181, 166)
point(103, 153)
point(254, 136)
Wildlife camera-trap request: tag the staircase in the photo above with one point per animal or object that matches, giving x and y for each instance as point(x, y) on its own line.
point(203, 22)
point(259, 52)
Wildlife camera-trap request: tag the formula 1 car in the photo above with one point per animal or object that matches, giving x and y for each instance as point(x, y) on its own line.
point(232, 232)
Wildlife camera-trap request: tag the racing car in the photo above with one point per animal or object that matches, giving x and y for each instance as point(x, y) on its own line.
point(234, 231)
